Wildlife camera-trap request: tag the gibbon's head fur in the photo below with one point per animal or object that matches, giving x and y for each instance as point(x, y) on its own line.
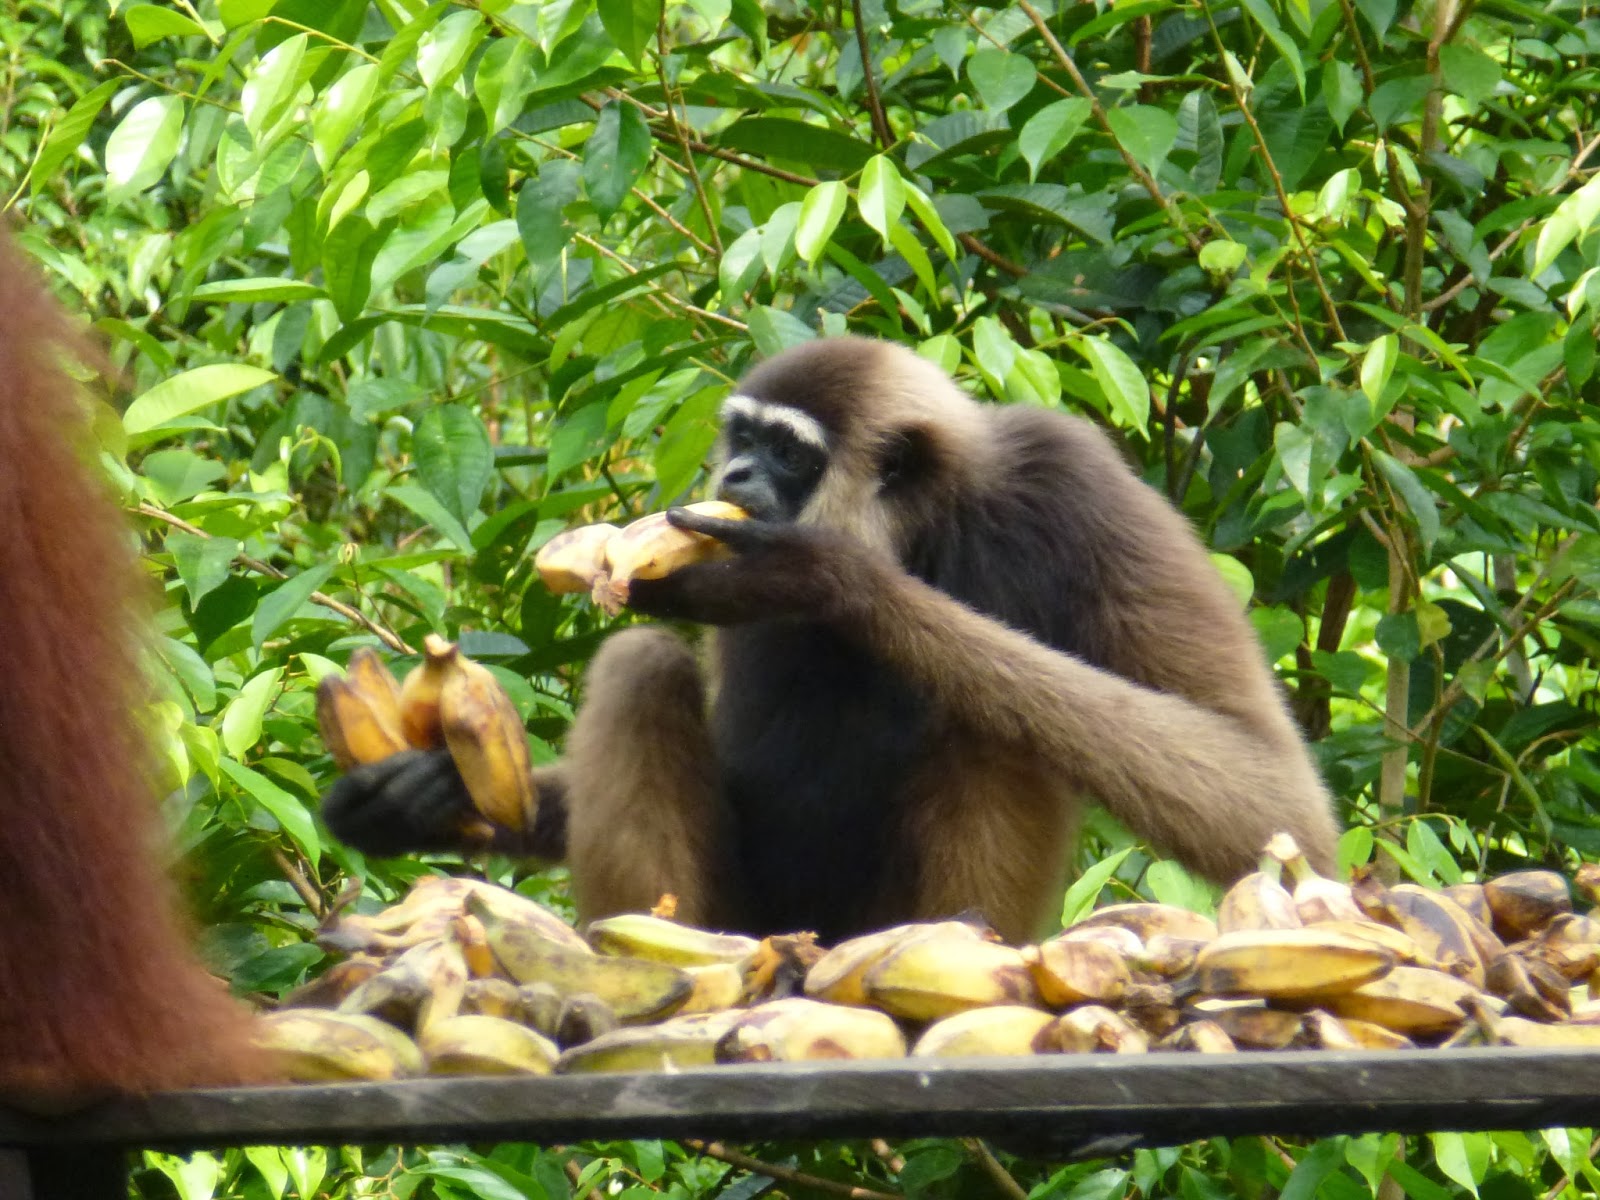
point(851, 434)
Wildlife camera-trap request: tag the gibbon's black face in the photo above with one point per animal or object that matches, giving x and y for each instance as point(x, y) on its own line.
point(772, 458)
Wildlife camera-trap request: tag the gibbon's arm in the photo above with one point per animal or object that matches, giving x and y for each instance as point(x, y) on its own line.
point(1201, 757)
point(417, 802)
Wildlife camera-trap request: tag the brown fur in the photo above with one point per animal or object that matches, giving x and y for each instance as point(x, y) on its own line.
point(98, 985)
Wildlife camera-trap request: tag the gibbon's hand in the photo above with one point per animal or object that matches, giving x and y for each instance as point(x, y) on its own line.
point(409, 802)
point(778, 570)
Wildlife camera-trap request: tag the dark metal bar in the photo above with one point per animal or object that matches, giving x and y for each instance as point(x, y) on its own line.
point(1062, 1105)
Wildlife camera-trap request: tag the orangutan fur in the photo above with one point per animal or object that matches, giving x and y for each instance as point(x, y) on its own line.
point(946, 626)
point(99, 987)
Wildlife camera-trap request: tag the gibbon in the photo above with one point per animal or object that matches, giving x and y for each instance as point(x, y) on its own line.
point(99, 987)
point(946, 626)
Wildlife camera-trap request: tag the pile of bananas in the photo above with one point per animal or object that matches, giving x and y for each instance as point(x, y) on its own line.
point(465, 977)
point(367, 716)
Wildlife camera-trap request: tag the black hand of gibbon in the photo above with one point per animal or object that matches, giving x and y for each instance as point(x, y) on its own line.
point(417, 802)
point(778, 570)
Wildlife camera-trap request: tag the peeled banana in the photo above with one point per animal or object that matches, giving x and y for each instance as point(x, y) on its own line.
point(314, 1045)
point(484, 1045)
point(603, 560)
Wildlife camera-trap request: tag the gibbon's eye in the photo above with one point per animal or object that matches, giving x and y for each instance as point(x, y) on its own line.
point(902, 460)
point(789, 453)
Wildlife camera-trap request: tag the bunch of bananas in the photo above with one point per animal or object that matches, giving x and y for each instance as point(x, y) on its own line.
point(603, 560)
point(448, 700)
point(462, 976)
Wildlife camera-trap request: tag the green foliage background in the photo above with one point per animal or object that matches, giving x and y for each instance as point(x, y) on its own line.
point(397, 290)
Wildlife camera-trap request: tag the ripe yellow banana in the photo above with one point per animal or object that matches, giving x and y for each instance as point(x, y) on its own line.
point(573, 560)
point(1095, 1029)
point(372, 679)
point(1253, 1025)
point(676, 1045)
point(1258, 901)
point(1124, 941)
point(1010, 1029)
point(800, 1030)
point(716, 986)
point(1524, 902)
point(483, 1045)
point(513, 909)
point(1529, 987)
point(1204, 1036)
point(1519, 1031)
point(583, 1018)
point(424, 984)
point(640, 935)
point(491, 998)
point(1071, 972)
point(419, 694)
point(837, 976)
point(1409, 1000)
point(314, 1045)
point(1473, 899)
point(1317, 899)
point(937, 976)
point(1445, 933)
point(1288, 963)
point(353, 728)
point(1166, 957)
point(1147, 920)
point(634, 988)
point(486, 737)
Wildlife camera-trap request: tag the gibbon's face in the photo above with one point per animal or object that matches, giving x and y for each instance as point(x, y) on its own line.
point(772, 458)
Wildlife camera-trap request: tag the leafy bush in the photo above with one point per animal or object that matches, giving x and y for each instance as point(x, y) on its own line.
point(399, 290)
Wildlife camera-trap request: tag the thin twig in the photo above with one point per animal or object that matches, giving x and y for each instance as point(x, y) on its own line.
point(995, 1169)
point(880, 123)
point(784, 1174)
point(1146, 180)
point(681, 133)
point(694, 309)
point(297, 880)
point(389, 638)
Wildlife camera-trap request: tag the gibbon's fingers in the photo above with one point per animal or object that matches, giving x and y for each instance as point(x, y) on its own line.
point(412, 801)
point(739, 536)
point(1208, 786)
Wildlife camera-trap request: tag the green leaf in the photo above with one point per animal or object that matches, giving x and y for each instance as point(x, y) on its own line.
point(1315, 1166)
point(1049, 131)
point(341, 109)
point(1469, 72)
point(1085, 890)
point(1377, 365)
point(631, 24)
point(1341, 91)
point(820, 213)
point(1124, 385)
point(258, 290)
point(1146, 132)
point(507, 75)
point(144, 143)
point(917, 200)
point(190, 392)
point(443, 49)
point(1169, 883)
point(1398, 637)
point(816, 146)
point(288, 598)
point(1222, 257)
point(70, 131)
point(1417, 498)
point(615, 155)
point(203, 562)
point(454, 457)
point(286, 808)
point(774, 330)
point(427, 506)
point(242, 719)
point(273, 85)
point(149, 23)
point(881, 195)
point(1572, 219)
point(541, 222)
point(1261, 12)
point(1237, 576)
point(1001, 78)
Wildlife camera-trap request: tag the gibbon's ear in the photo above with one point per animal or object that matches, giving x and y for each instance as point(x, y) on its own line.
point(908, 458)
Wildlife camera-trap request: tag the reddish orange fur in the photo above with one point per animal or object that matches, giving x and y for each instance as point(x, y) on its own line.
point(98, 984)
